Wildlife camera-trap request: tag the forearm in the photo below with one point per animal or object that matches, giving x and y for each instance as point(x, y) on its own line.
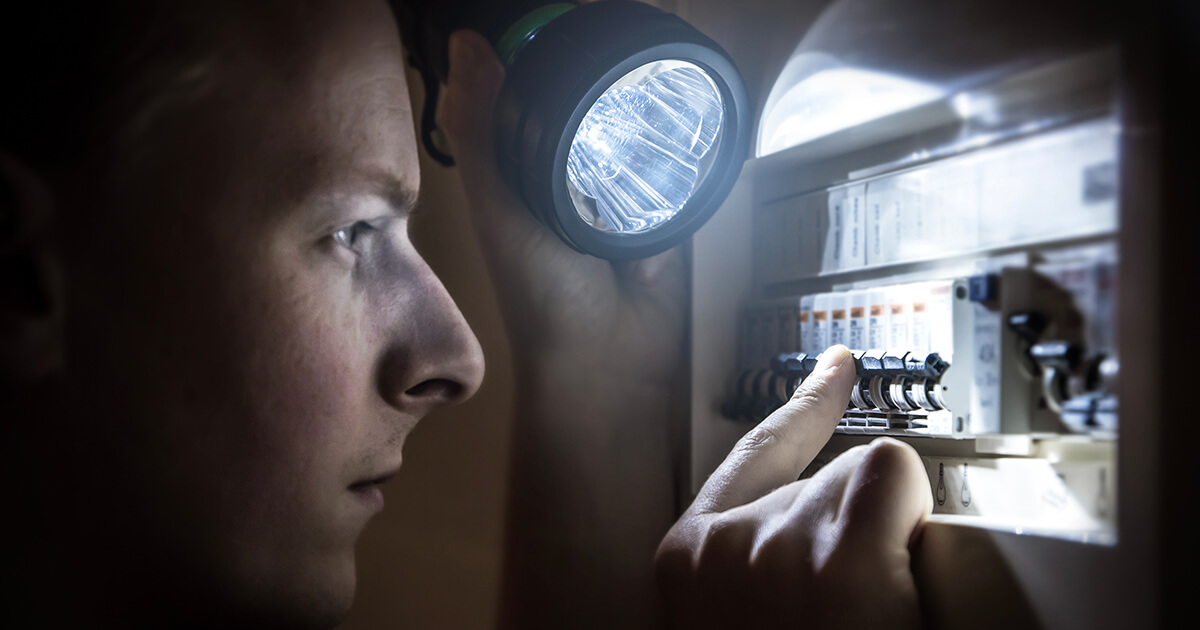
point(592, 493)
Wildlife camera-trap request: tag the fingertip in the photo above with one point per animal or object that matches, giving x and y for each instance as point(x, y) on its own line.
point(834, 370)
point(892, 454)
point(833, 359)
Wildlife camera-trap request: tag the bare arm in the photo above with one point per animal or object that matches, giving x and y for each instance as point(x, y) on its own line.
point(597, 349)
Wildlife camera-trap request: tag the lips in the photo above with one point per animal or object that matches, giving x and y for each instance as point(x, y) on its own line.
point(369, 492)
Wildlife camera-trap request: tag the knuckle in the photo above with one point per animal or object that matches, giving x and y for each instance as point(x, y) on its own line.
point(888, 458)
point(722, 550)
point(781, 555)
point(673, 560)
point(809, 394)
point(760, 437)
point(712, 546)
point(767, 436)
point(889, 473)
point(837, 561)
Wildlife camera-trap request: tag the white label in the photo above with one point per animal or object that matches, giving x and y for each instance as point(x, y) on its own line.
point(985, 396)
point(839, 320)
point(941, 319)
point(832, 259)
point(899, 310)
point(820, 329)
point(877, 320)
point(858, 320)
point(881, 225)
point(854, 235)
point(807, 342)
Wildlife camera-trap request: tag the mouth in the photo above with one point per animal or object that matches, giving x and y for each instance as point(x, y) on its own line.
point(369, 492)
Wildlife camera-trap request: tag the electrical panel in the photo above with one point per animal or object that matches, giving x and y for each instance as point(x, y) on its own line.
point(965, 250)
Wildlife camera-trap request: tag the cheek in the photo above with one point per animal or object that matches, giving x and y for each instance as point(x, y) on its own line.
point(301, 366)
point(242, 378)
point(309, 373)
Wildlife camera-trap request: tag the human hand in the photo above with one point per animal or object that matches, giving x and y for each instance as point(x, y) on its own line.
point(757, 548)
point(596, 349)
point(612, 319)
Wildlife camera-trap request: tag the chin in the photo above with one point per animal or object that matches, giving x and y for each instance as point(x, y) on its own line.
point(330, 601)
point(318, 597)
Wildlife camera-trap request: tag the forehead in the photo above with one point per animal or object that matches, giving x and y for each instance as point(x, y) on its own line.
point(304, 96)
point(338, 106)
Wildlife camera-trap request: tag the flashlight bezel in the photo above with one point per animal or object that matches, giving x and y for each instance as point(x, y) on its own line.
point(559, 75)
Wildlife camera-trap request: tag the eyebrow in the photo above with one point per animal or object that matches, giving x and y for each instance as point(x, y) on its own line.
point(398, 194)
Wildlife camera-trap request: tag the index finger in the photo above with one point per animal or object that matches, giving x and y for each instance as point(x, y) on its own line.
point(776, 451)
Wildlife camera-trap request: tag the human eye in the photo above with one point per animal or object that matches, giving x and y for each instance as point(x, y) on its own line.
point(356, 236)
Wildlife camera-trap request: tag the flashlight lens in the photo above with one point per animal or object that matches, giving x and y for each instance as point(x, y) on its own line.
point(640, 152)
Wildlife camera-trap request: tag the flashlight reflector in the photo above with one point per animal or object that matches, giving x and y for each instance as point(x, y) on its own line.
point(639, 153)
point(621, 127)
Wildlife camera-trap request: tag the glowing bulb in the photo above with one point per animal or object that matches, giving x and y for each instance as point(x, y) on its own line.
point(639, 153)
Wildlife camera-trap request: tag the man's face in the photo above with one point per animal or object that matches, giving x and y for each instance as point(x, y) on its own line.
point(248, 312)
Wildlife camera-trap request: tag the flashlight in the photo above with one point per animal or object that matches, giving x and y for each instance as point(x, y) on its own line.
point(620, 126)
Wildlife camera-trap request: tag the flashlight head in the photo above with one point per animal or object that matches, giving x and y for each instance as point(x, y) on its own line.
point(640, 153)
point(621, 127)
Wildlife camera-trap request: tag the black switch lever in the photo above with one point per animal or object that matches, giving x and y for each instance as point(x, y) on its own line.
point(1057, 354)
point(1029, 325)
point(930, 365)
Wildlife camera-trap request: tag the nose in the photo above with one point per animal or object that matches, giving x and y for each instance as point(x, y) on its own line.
point(432, 358)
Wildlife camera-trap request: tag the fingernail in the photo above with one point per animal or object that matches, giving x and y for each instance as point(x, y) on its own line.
point(832, 358)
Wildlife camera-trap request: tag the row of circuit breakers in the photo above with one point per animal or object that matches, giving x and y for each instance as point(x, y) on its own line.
point(965, 357)
point(893, 390)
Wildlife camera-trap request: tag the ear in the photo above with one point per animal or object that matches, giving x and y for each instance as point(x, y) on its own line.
point(31, 304)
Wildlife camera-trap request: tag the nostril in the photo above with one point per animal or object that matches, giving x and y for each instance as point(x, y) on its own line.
point(437, 389)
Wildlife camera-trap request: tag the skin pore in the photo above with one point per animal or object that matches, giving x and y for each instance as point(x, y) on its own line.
point(243, 333)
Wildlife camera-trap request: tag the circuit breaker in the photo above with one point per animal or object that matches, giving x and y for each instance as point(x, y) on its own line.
point(965, 251)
